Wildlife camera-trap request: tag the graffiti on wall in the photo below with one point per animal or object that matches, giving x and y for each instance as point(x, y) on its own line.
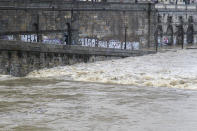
point(45, 39)
point(90, 42)
point(29, 38)
point(7, 37)
point(51, 40)
point(115, 44)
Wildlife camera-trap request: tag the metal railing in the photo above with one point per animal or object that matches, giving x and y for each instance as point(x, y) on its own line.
point(171, 7)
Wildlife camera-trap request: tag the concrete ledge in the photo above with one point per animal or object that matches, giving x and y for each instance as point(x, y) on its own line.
point(19, 58)
point(177, 8)
point(54, 48)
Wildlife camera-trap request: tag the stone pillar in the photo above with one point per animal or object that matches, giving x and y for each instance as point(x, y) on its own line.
point(65, 59)
point(195, 39)
point(36, 60)
point(42, 60)
point(1, 58)
point(14, 64)
point(74, 27)
point(169, 32)
point(24, 63)
point(190, 31)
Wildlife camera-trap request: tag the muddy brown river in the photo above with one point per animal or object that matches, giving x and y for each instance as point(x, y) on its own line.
point(149, 93)
point(44, 105)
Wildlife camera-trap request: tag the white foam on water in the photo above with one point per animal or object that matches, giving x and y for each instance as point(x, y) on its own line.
point(173, 69)
point(6, 77)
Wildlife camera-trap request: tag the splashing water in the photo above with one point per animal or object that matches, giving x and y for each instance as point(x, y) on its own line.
point(48, 100)
point(173, 69)
point(7, 77)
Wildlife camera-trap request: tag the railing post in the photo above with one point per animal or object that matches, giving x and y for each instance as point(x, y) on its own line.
point(37, 28)
point(157, 46)
point(149, 23)
point(69, 34)
point(125, 46)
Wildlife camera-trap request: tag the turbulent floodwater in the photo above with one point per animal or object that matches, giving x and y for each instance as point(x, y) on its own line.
point(173, 69)
point(149, 93)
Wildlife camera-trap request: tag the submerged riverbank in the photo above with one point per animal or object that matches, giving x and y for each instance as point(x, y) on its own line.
point(173, 69)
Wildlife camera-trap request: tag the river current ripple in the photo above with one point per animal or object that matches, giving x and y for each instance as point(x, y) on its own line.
point(150, 93)
point(39, 105)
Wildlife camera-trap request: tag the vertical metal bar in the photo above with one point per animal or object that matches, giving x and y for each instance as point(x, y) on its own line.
point(70, 26)
point(157, 46)
point(125, 46)
point(69, 34)
point(125, 31)
point(37, 28)
point(149, 22)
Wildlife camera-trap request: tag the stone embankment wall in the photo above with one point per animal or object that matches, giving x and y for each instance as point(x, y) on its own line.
point(177, 24)
point(20, 58)
point(90, 22)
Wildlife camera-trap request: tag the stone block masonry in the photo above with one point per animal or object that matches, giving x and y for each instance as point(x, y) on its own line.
point(176, 24)
point(90, 26)
point(101, 21)
point(20, 58)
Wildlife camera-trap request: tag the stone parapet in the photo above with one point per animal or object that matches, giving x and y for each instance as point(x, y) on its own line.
point(174, 7)
point(20, 58)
